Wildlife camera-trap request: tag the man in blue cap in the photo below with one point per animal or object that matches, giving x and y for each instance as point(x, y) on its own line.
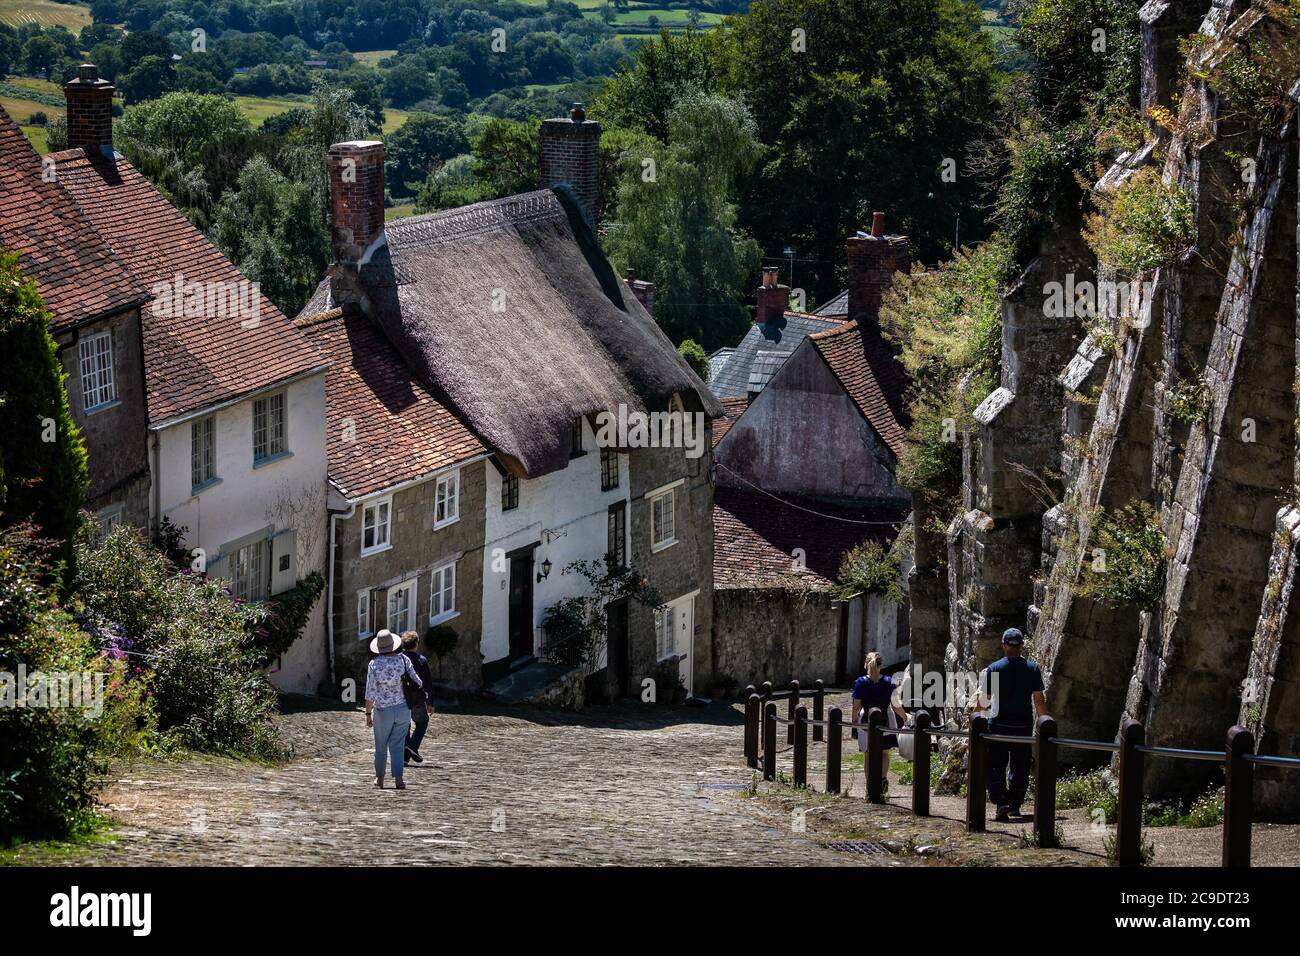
point(1016, 684)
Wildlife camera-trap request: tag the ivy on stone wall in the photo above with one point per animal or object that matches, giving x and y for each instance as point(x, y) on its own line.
point(1126, 565)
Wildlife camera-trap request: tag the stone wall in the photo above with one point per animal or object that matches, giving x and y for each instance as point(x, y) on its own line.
point(416, 550)
point(1219, 644)
point(776, 634)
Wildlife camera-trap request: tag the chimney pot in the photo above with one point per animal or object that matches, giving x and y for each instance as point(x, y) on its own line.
point(872, 261)
point(773, 298)
point(90, 109)
point(569, 152)
point(877, 224)
point(356, 177)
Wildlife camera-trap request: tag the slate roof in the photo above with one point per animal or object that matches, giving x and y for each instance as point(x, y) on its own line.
point(872, 377)
point(755, 536)
point(195, 362)
point(836, 308)
point(78, 276)
point(399, 431)
point(718, 360)
point(781, 337)
point(510, 314)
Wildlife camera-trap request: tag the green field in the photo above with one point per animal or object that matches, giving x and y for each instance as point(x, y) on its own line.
point(258, 108)
point(44, 12)
point(372, 57)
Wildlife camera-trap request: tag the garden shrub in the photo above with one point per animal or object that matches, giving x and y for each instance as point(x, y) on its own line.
point(1127, 566)
point(1144, 224)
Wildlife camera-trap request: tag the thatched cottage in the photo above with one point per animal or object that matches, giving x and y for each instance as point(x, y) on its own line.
point(479, 355)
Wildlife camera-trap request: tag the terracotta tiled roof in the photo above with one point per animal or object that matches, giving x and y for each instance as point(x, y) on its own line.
point(77, 275)
point(733, 407)
point(192, 362)
point(755, 537)
point(401, 431)
point(871, 375)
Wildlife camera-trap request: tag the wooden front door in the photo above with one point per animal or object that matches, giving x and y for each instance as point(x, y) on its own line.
point(521, 604)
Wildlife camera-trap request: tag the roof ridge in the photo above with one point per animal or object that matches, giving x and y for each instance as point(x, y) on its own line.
point(481, 217)
point(319, 318)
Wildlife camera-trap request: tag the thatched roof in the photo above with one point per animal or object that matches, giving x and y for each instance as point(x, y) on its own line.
point(510, 314)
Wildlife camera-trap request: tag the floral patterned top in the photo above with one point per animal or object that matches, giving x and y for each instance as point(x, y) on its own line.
point(384, 679)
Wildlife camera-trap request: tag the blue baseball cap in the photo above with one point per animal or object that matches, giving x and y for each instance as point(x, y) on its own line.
point(1013, 637)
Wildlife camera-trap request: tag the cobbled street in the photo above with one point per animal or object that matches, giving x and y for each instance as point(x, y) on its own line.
point(624, 785)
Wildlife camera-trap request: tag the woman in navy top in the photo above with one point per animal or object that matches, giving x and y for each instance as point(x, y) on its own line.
point(876, 690)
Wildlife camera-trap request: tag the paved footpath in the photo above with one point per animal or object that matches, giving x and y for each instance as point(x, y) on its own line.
point(625, 785)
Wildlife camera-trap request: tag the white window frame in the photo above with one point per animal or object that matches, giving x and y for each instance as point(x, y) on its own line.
point(387, 503)
point(665, 632)
point(363, 614)
point(95, 367)
point(442, 584)
point(446, 493)
point(109, 518)
point(658, 542)
point(203, 442)
point(256, 579)
point(412, 588)
point(276, 442)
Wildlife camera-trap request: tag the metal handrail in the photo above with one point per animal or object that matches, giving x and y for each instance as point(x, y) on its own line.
point(1273, 761)
point(1213, 756)
point(1111, 747)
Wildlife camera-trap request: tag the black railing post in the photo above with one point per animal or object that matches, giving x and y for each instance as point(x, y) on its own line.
point(834, 719)
point(1128, 836)
point(875, 747)
point(977, 773)
point(766, 690)
point(819, 706)
point(921, 765)
point(753, 707)
point(1045, 763)
point(801, 746)
point(769, 741)
point(791, 708)
point(750, 690)
point(1238, 798)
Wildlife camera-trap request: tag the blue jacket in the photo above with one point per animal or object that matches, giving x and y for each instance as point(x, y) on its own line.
point(421, 665)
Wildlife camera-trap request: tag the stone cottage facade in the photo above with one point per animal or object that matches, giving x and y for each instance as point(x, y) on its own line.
point(507, 312)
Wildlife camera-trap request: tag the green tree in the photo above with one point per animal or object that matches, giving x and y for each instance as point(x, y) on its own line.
point(424, 142)
point(43, 476)
point(190, 145)
point(696, 358)
point(407, 83)
point(506, 157)
point(678, 225)
point(40, 54)
point(148, 80)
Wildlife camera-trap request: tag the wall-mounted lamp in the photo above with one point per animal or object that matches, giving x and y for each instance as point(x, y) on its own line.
point(545, 573)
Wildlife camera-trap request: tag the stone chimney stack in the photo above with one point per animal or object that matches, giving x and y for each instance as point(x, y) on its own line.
point(570, 153)
point(90, 109)
point(356, 171)
point(644, 291)
point(873, 260)
point(773, 298)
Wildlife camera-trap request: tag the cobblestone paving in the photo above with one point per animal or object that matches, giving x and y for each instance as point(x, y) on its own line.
point(625, 785)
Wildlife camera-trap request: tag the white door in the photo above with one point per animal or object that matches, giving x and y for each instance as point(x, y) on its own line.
point(684, 628)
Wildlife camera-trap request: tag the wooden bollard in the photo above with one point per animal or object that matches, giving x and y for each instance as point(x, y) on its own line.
point(819, 706)
point(790, 709)
point(1238, 798)
point(875, 747)
point(977, 773)
point(753, 710)
point(921, 766)
point(835, 719)
point(766, 690)
point(1045, 764)
point(801, 746)
point(769, 741)
point(1132, 764)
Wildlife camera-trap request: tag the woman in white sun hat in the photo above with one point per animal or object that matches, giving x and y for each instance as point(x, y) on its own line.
point(387, 677)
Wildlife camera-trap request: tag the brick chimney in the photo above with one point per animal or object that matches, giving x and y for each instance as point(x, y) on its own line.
point(644, 291)
point(773, 298)
point(570, 153)
point(873, 260)
point(90, 109)
point(356, 171)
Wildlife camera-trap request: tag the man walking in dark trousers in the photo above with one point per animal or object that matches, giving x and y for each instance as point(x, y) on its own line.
point(419, 715)
point(1016, 685)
